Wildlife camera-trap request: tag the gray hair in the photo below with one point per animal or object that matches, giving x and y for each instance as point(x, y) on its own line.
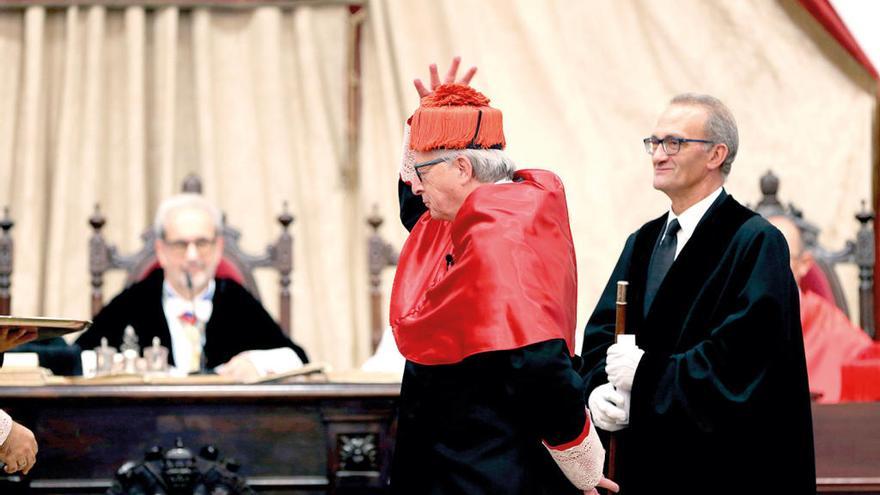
point(185, 201)
point(489, 165)
point(720, 126)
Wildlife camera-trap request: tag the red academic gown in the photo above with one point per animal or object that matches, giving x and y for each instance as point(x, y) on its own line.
point(484, 310)
point(830, 340)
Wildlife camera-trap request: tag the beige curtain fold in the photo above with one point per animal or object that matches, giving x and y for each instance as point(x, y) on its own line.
point(117, 104)
point(582, 82)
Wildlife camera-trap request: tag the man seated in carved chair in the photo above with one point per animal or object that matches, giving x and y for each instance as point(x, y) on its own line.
point(830, 339)
point(208, 322)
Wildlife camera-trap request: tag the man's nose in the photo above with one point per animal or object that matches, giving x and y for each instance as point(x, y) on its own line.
point(659, 154)
point(417, 187)
point(192, 252)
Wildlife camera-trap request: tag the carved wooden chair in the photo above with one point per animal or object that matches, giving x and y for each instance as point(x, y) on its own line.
point(6, 246)
point(380, 255)
point(822, 278)
point(235, 264)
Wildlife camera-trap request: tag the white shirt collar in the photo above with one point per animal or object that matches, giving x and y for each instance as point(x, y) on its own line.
point(168, 292)
point(690, 218)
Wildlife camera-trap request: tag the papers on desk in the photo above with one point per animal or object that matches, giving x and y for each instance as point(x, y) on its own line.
point(309, 373)
point(22, 376)
point(166, 379)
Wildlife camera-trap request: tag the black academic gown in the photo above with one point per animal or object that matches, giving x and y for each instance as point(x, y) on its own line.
point(720, 402)
point(238, 321)
point(476, 427)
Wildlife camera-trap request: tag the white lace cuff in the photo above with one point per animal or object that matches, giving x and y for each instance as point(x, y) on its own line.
point(5, 426)
point(272, 361)
point(581, 459)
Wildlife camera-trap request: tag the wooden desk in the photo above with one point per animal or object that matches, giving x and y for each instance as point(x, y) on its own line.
point(305, 438)
point(300, 438)
point(847, 440)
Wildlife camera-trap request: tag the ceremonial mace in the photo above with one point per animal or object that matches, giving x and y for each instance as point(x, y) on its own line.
point(619, 329)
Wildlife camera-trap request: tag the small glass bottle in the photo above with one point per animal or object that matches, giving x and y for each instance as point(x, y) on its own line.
point(104, 355)
point(156, 357)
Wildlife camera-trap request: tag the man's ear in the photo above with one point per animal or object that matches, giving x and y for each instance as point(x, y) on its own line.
point(160, 252)
point(718, 155)
point(463, 167)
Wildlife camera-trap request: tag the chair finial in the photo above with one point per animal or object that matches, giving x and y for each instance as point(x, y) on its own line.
point(6, 223)
point(97, 220)
point(375, 220)
point(192, 184)
point(285, 218)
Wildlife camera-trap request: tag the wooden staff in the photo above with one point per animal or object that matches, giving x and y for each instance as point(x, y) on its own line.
point(619, 329)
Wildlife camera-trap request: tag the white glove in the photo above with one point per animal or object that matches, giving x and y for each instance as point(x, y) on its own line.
point(621, 364)
point(607, 408)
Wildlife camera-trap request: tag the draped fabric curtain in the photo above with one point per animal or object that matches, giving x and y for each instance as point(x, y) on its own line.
point(582, 82)
point(118, 105)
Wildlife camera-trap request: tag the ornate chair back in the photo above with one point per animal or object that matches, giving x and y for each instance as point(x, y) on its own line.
point(6, 248)
point(236, 264)
point(380, 255)
point(822, 277)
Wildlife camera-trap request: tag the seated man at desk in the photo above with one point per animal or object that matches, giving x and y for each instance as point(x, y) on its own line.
point(208, 323)
point(830, 339)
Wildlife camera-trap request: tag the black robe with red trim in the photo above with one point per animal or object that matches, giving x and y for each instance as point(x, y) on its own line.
point(488, 334)
point(720, 402)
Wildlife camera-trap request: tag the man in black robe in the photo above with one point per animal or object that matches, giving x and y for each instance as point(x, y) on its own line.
point(206, 322)
point(718, 380)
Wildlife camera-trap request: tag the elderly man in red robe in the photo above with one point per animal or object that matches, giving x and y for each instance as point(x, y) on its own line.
point(483, 308)
point(830, 339)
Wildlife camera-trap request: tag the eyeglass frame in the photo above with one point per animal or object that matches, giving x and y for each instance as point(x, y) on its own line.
point(181, 246)
point(651, 143)
point(428, 163)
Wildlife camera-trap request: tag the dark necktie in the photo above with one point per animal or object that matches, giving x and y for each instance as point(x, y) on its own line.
point(661, 260)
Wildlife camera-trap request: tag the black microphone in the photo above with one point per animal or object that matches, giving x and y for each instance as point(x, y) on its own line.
point(449, 260)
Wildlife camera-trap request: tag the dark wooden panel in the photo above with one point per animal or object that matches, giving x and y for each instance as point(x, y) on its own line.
point(847, 440)
point(304, 439)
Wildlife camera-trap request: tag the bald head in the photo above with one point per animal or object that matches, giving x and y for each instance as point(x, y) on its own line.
point(801, 259)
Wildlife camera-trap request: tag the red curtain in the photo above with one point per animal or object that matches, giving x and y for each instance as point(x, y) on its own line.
point(824, 12)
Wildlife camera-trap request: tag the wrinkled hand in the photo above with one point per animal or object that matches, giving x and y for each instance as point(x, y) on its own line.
point(450, 77)
point(607, 408)
point(240, 368)
point(621, 365)
point(604, 483)
point(19, 451)
point(14, 337)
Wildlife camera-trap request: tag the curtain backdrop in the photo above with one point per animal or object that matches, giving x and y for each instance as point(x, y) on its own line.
point(582, 82)
point(116, 106)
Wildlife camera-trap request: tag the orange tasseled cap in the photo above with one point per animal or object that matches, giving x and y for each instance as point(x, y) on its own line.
point(456, 116)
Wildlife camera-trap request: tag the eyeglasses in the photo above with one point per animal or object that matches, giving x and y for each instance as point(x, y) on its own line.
point(671, 144)
point(435, 161)
point(179, 247)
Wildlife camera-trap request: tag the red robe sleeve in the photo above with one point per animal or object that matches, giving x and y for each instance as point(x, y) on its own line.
point(830, 340)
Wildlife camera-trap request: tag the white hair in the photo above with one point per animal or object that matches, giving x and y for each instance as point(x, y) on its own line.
point(185, 201)
point(489, 165)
